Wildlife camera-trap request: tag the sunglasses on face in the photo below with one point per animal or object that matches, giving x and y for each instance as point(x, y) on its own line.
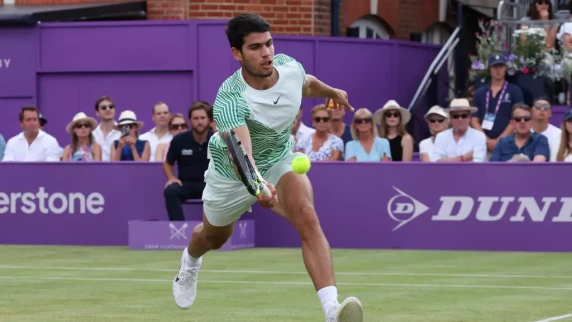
point(80, 125)
point(544, 107)
point(363, 120)
point(178, 126)
point(520, 119)
point(320, 119)
point(106, 107)
point(463, 116)
point(392, 114)
point(436, 120)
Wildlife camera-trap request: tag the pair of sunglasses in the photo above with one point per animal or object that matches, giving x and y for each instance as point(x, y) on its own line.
point(80, 125)
point(436, 120)
point(392, 114)
point(178, 126)
point(106, 107)
point(520, 119)
point(320, 119)
point(456, 116)
point(363, 120)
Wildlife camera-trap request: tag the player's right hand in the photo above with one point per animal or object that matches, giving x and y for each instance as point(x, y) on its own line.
point(268, 201)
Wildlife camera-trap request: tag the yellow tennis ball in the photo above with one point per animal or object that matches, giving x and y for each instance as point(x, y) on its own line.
point(301, 164)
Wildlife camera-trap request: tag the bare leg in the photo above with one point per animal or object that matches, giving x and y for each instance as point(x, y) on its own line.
point(207, 237)
point(297, 206)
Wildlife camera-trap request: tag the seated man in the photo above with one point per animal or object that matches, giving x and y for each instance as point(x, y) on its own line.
point(189, 150)
point(522, 144)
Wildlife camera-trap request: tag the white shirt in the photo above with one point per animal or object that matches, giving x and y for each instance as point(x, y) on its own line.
point(154, 140)
point(105, 142)
point(552, 133)
point(427, 146)
point(44, 148)
point(447, 147)
point(302, 132)
point(566, 28)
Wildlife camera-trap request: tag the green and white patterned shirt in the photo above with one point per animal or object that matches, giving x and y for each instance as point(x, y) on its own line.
point(268, 114)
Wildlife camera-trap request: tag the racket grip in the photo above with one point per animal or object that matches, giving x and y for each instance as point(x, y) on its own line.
point(265, 191)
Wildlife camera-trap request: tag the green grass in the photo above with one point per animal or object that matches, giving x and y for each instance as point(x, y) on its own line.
point(39, 283)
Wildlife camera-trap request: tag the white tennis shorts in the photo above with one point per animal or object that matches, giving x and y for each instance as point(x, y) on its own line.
point(225, 200)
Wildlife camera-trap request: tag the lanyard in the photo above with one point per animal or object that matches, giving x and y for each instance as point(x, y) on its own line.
point(498, 101)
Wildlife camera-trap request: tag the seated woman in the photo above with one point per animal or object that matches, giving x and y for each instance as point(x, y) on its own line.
point(321, 145)
point(539, 12)
point(391, 119)
point(561, 150)
point(129, 147)
point(177, 124)
point(366, 146)
point(438, 120)
point(83, 146)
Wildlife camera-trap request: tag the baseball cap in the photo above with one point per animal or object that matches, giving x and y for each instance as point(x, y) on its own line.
point(497, 59)
point(568, 115)
point(43, 120)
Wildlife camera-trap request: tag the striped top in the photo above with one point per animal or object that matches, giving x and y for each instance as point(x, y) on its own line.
point(268, 114)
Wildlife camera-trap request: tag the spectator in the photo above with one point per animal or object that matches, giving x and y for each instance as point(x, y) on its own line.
point(391, 119)
point(539, 12)
point(129, 147)
point(541, 114)
point(321, 145)
point(494, 102)
point(32, 144)
point(83, 146)
point(523, 142)
point(177, 124)
point(565, 33)
point(160, 133)
point(208, 107)
point(366, 145)
point(561, 150)
point(105, 133)
point(189, 150)
point(43, 122)
point(338, 127)
point(438, 120)
point(2, 146)
point(299, 129)
point(460, 143)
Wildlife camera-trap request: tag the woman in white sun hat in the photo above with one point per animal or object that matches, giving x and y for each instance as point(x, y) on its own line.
point(438, 120)
point(83, 146)
point(391, 119)
point(129, 147)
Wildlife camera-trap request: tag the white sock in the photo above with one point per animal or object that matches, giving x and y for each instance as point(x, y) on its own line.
point(328, 297)
point(190, 260)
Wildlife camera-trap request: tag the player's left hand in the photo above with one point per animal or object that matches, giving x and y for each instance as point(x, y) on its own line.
point(339, 100)
point(268, 201)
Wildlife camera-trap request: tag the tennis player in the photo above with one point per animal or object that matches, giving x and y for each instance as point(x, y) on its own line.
point(260, 102)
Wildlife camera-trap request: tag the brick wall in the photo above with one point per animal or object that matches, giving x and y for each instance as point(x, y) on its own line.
point(293, 17)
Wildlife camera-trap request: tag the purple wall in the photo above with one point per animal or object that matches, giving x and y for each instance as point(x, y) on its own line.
point(64, 67)
point(454, 206)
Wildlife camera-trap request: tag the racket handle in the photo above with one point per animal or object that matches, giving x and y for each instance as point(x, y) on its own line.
point(265, 191)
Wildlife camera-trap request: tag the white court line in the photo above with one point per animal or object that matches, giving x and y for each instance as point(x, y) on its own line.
point(147, 280)
point(556, 318)
point(132, 269)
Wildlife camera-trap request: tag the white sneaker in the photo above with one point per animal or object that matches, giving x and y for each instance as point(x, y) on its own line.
point(349, 311)
point(185, 283)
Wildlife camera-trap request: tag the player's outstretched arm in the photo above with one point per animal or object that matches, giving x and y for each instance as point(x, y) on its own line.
point(313, 87)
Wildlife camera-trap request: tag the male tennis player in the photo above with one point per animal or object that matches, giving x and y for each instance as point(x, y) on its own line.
point(260, 102)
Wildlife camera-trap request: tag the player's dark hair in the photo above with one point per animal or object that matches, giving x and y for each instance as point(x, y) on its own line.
point(243, 25)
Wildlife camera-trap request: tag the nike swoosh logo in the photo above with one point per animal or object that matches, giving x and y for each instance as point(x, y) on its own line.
point(276, 101)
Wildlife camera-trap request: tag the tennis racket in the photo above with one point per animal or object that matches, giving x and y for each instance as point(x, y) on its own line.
point(251, 179)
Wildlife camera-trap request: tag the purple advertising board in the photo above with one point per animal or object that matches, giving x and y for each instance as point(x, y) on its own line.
point(488, 206)
point(62, 68)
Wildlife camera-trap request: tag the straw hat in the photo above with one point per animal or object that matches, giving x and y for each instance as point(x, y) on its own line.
point(461, 104)
point(81, 117)
point(391, 105)
point(128, 117)
point(437, 110)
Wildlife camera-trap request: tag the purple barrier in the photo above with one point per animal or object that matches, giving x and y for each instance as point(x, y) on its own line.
point(165, 235)
point(61, 68)
point(395, 205)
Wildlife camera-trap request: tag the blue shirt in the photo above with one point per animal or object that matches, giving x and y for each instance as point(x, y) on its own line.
point(506, 148)
point(126, 154)
point(512, 95)
point(380, 147)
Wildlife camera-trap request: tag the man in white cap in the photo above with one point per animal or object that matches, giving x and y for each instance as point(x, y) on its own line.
point(460, 143)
